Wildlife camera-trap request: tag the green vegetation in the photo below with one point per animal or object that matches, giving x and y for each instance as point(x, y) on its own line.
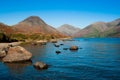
point(108, 33)
point(41, 37)
point(24, 37)
point(36, 37)
point(94, 33)
point(6, 38)
point(2, 37)
point(18, 37)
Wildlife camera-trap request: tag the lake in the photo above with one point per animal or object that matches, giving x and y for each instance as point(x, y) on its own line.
point(98, 59)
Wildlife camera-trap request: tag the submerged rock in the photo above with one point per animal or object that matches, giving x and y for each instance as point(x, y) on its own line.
point(40, 65)
point(80, 48)
point(73, 48)
point(43, 43)
point(17, 54)
point(58, 52)
point(61, 44)
point(65, 48)
point(56, 45)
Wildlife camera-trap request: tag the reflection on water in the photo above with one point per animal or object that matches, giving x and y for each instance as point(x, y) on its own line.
point(18, 68)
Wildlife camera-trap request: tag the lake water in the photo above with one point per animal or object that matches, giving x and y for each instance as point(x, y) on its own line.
point(99, 59)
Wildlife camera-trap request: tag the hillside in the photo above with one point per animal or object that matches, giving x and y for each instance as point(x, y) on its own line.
point(5, 32)
point(68, 29)
point(101, 29)
point(34, 24)
point(5, 28)
point(32, 28)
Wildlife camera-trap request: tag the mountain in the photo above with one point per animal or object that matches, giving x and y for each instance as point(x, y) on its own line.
point(5, 32)
point(5, 29)
point(114, 23)
point(101, 29)
point(32, 28)
point(114, 29)
point(34, 24)
point(68, 29)
point(92, 30)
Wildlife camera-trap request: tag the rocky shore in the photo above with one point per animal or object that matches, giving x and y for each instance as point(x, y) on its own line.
point(13, 52)
point(3, 45)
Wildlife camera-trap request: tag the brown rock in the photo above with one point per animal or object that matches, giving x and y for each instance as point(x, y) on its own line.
point(54, 41)
point(40, 65)
point(17, 54)
point(73, 48)
point(2, 53)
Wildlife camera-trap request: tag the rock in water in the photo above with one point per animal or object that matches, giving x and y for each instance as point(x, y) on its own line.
point(58, 52)
point(54, 41)
point(17, 54)
point(40, 65)
point(61, 44)
point(56, 45)
point(65, 48)
point(73, 48)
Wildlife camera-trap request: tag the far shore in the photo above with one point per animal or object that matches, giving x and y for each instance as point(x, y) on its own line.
point(3, 45)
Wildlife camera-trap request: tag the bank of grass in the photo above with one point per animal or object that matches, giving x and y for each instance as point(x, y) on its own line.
point(25, 38)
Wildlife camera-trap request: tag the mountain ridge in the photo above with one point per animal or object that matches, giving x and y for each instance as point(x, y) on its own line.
point(31, 28)
point(68, 29)
point(34, 24)
point(100, 29)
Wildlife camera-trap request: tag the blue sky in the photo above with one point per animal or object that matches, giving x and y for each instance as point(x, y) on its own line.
point(79, 13)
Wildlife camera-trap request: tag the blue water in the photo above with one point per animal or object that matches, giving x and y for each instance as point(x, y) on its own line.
point(99, 59)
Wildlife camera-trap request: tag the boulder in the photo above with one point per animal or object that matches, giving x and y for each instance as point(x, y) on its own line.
point(40, 65)
point(2, 53)
point(10, 45)
point(73, 48)
point(17, 54)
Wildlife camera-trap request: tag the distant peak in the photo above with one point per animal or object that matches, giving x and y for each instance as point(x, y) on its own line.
point(66, 25)
point(117, 19)
point(69, 26)
point(3, 24)
point(33, 20)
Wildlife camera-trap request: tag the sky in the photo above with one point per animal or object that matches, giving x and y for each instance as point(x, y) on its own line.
point(79, 13)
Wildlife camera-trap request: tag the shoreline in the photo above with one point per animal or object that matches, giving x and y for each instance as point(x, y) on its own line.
point(3, 45)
